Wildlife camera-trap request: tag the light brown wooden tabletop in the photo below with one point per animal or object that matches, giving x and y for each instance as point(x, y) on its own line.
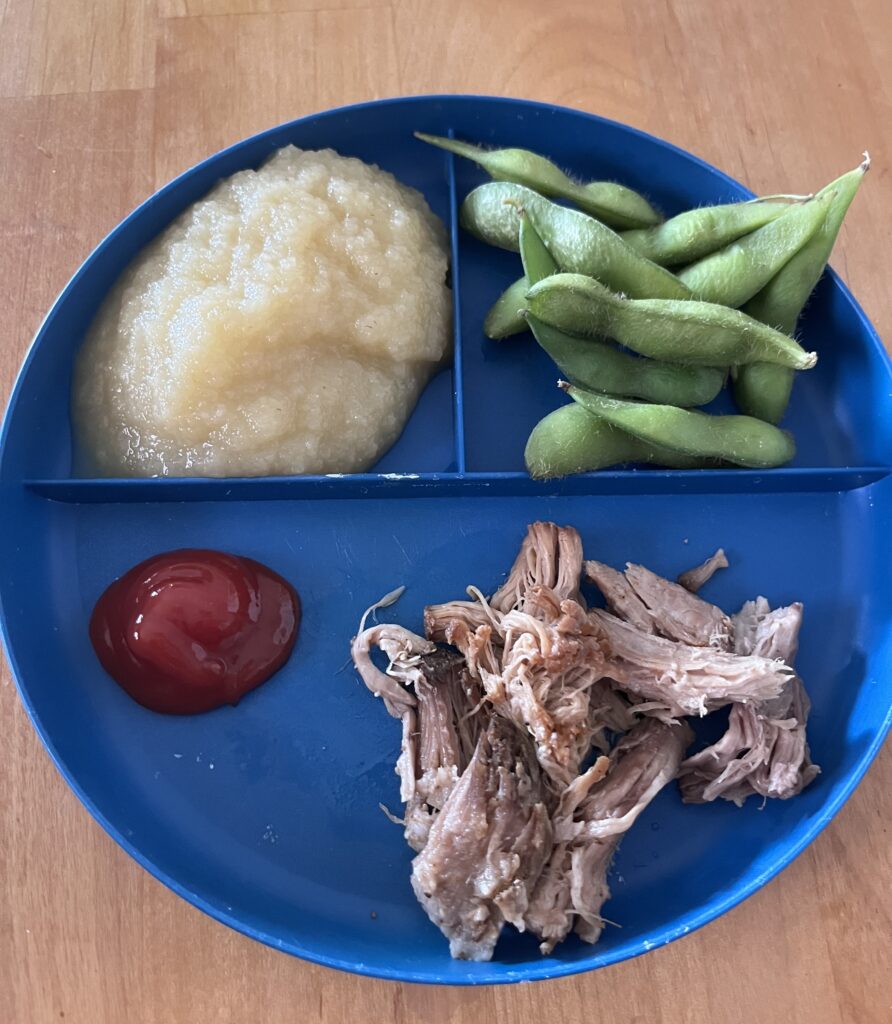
point(103, 101)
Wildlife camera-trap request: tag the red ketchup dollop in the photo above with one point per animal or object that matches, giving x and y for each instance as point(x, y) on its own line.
point(187, 631)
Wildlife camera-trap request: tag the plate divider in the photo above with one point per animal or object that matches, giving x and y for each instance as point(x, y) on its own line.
point(457, 372)
point(451, 485)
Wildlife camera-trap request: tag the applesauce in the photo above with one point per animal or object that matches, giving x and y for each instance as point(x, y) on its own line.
point(285, 323)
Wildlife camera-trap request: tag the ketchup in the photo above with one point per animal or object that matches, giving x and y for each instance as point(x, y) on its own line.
point(190, 630)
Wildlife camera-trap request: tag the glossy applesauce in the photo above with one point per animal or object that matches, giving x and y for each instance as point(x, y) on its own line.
point(286, 323)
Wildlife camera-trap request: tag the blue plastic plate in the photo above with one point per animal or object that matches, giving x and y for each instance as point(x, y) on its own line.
point(266, 815)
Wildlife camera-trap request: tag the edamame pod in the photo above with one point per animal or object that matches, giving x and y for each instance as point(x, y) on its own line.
point(761, 389)
point(613, 204)
point(741, 440)
point(489, 212)
point(577, 242)
point(505, 316)
point(696, 233)
point(581, 245)
point(538, 263)
point(739, 270)
point(697, 333)
point(599, 366)
point(572, 440)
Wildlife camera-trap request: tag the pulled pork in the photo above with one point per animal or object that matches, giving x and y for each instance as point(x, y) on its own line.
point(764, 750)
point(534, 650)
point(677, 679)
point(430, 691)
point(488, 846)
point(504, 701)
point(656, 605)
point(593, 815)
point(701, 574)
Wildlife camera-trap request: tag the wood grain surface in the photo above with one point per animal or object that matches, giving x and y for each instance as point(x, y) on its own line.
point(101, 102)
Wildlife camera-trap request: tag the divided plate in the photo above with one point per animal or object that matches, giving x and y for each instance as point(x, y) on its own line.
point(266, 815)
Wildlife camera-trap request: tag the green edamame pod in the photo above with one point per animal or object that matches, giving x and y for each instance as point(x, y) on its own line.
point(741, 440)
point(572, 440)
point(577, 242)
point(781, 301)
point(538, 262)
point(696, 333)
point(696, 233)
point(740, 270)
point(763, 390)
point(581, 245)
point(489, 212)
point(599, 366)
point(505, 316)
point(613, 204)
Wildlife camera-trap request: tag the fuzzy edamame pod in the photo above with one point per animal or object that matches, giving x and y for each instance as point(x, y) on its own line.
point(613, 204)
point(696, 333)
point(577, 242)
point(696, 233)
point(505, 316)
point(538, 263)
point(761, 389)
point(600, 366)
point(740, 270)
point(489, 212)
point(740, 440)
point(572, 440)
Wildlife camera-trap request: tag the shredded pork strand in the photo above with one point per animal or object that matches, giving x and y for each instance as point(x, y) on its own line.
point(404, 650)
point(487, 847)
point(534, 651)
point(653, 604)
point(542, 684)
point(551, 557)
point(504, 702)
point(677, 679)
point(450, 622)
point(677, 613)
point(701, 574)
point(592, 817)
point(439, 730)
point(764, 751)
point(620, 597)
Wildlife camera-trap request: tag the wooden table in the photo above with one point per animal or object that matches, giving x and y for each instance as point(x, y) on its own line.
point(101, 102)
